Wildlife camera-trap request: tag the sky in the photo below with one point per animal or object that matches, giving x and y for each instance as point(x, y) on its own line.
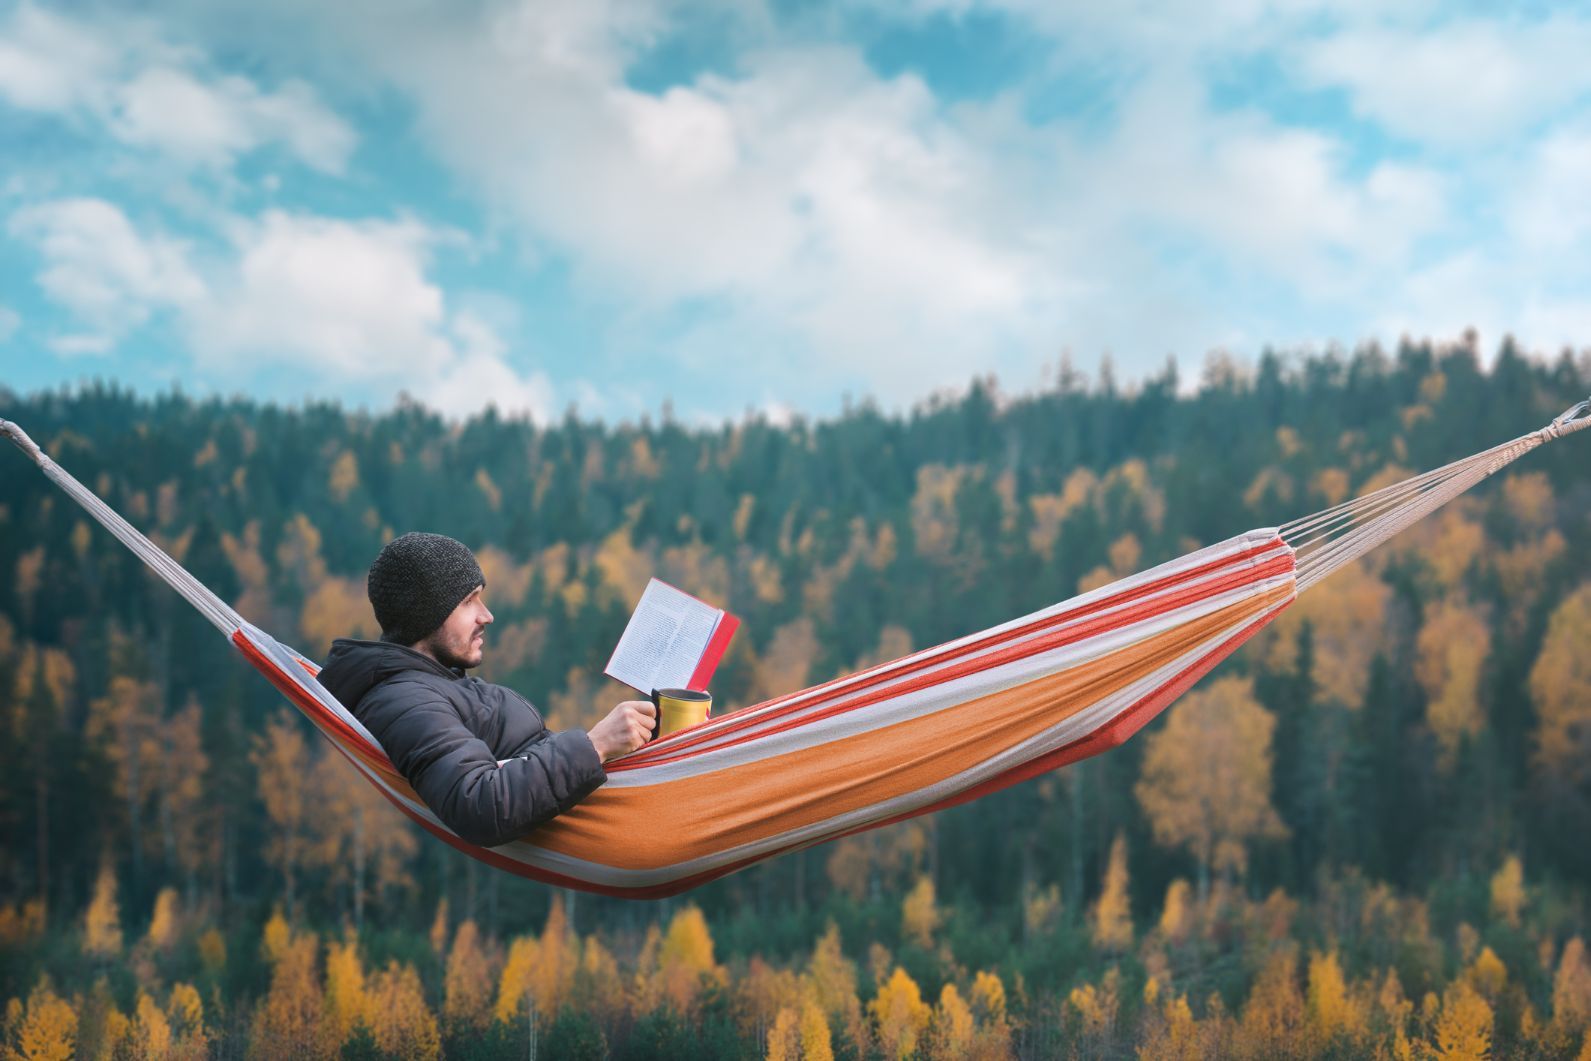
point(772, 208)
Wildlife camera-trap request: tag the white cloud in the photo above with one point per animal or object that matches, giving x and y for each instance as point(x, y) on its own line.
point(1550, 211)
point(98, 266)
point(342, 297)
point(480, 376)
point(324, 301)
point(10, 323)
point(51, 64)
point(806, 201)
point(213, 124)
point(148, 93)
point(1462, 84)
point(81, 344)
point(336, 301)
point(1255, 192)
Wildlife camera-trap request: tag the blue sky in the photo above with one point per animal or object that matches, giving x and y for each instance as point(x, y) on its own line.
point(772, 206)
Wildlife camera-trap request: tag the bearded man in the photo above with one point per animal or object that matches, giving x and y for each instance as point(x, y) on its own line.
point(478, 754)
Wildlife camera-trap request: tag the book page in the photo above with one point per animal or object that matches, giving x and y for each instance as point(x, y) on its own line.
point(664, 640)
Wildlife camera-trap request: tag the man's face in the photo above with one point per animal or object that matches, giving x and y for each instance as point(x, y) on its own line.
point(460, 640)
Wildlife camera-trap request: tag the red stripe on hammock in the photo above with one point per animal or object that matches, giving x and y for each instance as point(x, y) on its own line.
point(1113, 735)
point(667, 750)
point(1104, 624)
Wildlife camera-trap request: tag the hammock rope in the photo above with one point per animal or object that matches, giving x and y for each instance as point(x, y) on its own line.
point(1341, 534)
point(930, 730)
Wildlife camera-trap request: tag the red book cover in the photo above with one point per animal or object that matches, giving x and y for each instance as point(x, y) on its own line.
point(715, 652)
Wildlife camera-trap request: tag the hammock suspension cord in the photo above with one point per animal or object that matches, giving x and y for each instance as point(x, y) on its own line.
point(1341, 534)
point(195, 592)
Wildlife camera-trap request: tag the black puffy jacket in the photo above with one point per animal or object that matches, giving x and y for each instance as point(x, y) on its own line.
point(446, 734)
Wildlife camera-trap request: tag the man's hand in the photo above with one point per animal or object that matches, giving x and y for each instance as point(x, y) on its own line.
point(626, 728)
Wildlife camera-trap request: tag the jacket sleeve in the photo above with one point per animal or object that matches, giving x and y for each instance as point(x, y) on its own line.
point(458, 776)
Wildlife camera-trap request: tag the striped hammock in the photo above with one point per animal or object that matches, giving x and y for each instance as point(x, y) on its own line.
point(928, 731)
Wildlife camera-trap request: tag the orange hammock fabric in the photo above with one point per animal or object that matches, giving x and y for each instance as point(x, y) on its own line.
point(928, 731)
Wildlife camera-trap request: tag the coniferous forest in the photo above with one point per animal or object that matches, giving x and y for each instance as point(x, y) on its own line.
point(1396, 863)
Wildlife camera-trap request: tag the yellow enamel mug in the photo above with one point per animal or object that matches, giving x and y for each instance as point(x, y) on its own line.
point(679, 709)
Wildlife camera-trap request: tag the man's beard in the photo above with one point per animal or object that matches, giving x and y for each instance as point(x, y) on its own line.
point(450, 656)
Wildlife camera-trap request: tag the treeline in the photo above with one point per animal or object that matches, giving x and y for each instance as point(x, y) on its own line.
point(1416, 720)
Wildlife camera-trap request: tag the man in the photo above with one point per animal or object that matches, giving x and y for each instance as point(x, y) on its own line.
point(446, 732)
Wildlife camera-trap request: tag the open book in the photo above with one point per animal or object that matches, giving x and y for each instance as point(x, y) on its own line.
point(673, 641)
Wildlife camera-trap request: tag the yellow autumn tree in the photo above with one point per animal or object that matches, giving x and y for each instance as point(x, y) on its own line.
point(253, 573)
point(816, 1042)
point(1097, 1007)
point(784, 1038)
point(786, 665)
point(126, 722)
point(1205, 783)
point(831, 980)
point(102, 927)
point(950, 1027)
point(899, 1014)
point(513, 984)
point(647, 995)
point(290, 1021)
point(1112, 915)
point(1487, 975)
point(992, 1039)
point(1174, 1035)
point(1508, 891)
point(179, 780)
point(281, 761)
point(601, 987)
point(1571, 992)
point(1175, 917)
point(401, 1022)
point(685, 959)
point(557, 960)
point(1333, 1011)
point(467, 983)
point(298, 553)
point(163, 922)
point(151, 1030)
point(45, 1027)
point(347, 1003)
point(336, 607)
point(1560, 684)
point(1275, 1017)
point(1464, 1027)
point(1347, 616)
point(1041, 909)
point(623, 566)
point(920, 914)
point(343, 479)
point(1450, 654)
point(185, 1011)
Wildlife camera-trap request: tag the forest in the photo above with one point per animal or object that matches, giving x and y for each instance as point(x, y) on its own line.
point(1392, 860)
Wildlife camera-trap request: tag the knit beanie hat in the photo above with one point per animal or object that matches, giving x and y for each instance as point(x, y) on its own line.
point(417, 581)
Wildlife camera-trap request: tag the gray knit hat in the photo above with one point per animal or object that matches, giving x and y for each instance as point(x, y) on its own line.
point(417, 581)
